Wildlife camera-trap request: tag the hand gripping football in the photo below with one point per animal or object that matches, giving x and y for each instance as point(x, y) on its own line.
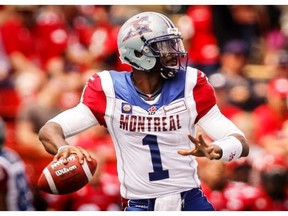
point(60, 178)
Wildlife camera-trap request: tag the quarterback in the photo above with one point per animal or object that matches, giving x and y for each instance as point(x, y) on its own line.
point(151, 114)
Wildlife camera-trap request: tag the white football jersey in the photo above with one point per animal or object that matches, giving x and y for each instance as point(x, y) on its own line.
point(147, 136)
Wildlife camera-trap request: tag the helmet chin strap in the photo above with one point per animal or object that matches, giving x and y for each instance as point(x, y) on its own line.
point(166, 74)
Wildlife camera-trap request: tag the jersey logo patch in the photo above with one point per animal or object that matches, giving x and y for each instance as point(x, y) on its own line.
point(152, 110)
point(175, 107)
point(126, 108)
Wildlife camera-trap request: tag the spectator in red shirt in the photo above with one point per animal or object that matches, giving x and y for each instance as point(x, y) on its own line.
point(273, 174)
point(202, 44)
point(225, 193)
point(271, 118)
point(19, 39)
point(34, 38)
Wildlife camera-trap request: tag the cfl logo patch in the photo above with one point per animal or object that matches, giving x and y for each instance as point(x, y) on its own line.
point(126, 108)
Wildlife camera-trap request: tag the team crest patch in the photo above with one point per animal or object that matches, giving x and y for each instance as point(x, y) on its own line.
point(139, 26)
point(126, 108)
point(152, 110)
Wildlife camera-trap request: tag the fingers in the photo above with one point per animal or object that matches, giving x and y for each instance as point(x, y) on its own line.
point(58, 156)
point(202, 141)
point(198, 142)
point(214, 155)
point(207, 152)
point(82, 154)
point(185, 152)
point(66, 152)
point(62, 155)
point(193, 139)
point(201, 148)
point(87, 155)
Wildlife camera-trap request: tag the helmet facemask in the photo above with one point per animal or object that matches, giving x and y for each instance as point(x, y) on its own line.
point(170, 54)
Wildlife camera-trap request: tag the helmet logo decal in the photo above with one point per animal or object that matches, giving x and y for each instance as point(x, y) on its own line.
point(138, 27)
point(173, 31)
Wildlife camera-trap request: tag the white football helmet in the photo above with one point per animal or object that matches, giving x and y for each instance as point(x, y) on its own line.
point(147, 39)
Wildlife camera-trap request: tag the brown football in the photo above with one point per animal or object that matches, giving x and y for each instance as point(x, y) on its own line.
point(60, 178)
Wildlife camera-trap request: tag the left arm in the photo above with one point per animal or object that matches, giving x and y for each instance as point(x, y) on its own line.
point(230, 142)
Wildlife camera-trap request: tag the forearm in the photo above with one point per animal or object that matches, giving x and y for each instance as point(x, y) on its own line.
point(67, 124)
point(52, 137)
point(223, 131)
point(231, 147)
point(243, 140)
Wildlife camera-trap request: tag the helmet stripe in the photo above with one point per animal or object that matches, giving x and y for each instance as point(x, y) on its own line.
point(168, 21)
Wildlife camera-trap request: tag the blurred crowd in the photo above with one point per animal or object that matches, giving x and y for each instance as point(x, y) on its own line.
point(48, 52)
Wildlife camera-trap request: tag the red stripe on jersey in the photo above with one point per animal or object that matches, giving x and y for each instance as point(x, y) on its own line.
point(204, 95)
point(95, 98)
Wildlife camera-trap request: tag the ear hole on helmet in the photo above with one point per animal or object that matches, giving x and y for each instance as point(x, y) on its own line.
point(137, 54)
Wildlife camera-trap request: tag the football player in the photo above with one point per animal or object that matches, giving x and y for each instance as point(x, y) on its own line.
point(149, 112)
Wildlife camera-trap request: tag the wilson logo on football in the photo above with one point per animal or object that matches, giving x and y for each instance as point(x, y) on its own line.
point(65, 170)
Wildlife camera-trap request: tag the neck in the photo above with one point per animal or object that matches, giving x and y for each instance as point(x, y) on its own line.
point(147, 83)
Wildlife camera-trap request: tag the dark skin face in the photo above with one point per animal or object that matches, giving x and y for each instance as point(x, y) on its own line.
point(149, 82)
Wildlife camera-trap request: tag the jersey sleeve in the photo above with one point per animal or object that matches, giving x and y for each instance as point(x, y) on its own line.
point(94, 98)
point(204, 95)
point(217, 126)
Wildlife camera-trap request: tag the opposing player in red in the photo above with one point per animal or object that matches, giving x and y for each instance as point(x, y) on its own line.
point(149, 113)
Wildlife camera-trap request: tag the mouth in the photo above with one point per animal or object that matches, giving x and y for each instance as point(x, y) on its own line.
point(170, 60)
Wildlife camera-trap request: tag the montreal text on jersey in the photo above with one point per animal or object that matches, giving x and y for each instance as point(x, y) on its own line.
point(136, 123)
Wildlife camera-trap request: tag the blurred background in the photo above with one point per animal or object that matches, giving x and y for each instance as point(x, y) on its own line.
point(48, 52)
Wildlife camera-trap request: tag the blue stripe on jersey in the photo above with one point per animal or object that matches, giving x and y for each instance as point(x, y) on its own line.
point(173, 89)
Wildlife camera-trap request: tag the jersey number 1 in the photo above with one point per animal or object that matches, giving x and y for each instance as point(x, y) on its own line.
point(158, 172)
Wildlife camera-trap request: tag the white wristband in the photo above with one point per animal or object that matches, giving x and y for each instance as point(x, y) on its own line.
point(231, 148)
point(61, 147)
